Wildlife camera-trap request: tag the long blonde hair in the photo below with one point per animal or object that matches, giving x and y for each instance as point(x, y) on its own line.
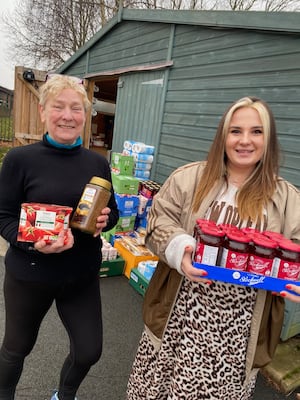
point(252, 197)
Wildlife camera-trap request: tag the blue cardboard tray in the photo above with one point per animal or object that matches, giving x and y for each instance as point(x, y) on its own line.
point(245, 278)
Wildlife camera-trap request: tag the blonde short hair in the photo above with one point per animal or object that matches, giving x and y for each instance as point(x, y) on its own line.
point(55, 83)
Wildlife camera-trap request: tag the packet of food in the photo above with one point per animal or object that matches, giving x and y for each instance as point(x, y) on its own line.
point(42, 221)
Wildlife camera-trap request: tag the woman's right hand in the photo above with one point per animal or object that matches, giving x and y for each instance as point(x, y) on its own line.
point(290, 296)
point(192, 273)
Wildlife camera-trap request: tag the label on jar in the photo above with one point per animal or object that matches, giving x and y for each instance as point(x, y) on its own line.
point(234, 260)
point(285, 269)
point(260, 265)
point(88, 195)
point(85, 204)
point(206, 254)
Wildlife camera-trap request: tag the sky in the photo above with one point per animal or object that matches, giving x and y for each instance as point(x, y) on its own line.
point(7, 67)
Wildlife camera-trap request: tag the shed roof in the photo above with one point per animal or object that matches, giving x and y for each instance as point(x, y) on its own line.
point(279, 22)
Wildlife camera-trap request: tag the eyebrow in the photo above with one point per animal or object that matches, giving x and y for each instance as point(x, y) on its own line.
point(236, 126)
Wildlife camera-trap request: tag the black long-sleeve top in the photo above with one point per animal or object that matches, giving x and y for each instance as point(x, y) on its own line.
point(43, 173)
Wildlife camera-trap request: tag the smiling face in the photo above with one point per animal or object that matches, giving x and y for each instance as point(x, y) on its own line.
point(64, 116)
point(244, 144)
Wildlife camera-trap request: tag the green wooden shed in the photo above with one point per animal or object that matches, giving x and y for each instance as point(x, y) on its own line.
point(169, 75)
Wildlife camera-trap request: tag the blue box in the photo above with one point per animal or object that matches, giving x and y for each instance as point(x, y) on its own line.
point(127, 204)
point(245, 278)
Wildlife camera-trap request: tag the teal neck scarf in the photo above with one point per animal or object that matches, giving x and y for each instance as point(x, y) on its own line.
point(77, 142)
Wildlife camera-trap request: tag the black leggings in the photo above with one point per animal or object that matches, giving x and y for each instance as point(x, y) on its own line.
point(26, 304)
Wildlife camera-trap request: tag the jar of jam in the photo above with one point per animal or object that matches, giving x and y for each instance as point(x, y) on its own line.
point(235, 252)
point(209, 242)
point(287, 262)
point(94, 198)
point(263, 252)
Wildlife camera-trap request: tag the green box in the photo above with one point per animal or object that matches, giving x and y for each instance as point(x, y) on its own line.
point(138, 281)
point(125, 184)
point(112, 267)
point(122, 164)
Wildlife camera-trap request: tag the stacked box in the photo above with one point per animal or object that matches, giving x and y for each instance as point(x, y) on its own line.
point(122, 164)
point(138, 281)
point(124, 225)
point(132, 260)
point(112, 267)
point(125, 184)
point(127, 204)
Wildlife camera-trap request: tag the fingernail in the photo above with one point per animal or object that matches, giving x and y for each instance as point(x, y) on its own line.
point(204, 273)
point(288, 286)
point(208, 282)
point(282, 294)
point(274, 293)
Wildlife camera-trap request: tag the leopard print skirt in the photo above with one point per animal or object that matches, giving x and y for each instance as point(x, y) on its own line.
point(203, 351)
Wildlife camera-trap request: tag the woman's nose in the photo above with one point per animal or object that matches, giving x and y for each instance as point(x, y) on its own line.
point(245, 137)
point(67, 114)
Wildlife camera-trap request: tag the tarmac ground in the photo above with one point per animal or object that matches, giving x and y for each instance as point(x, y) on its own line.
point(122, 324)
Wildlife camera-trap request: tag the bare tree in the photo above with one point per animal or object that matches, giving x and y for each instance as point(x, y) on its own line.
point(45, 33)
point(49, 32)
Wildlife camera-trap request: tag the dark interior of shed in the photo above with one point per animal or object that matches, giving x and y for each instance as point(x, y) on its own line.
point(103, 114)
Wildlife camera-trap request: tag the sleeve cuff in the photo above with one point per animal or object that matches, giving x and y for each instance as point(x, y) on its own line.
point(175, 250)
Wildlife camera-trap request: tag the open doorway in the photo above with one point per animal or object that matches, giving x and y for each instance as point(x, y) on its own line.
point(103, 115)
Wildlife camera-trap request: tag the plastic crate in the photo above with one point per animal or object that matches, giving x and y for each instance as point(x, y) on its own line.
point(112, 267)
point(138, 281)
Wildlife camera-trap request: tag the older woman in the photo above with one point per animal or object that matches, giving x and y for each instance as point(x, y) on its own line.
point(54, 171)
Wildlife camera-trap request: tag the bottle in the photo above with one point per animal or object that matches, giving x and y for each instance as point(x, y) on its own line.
point(94, 198)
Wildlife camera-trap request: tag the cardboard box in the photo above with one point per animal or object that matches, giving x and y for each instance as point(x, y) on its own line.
point(112, 267)
point(245, 278)
point(42, 221)
point(122, 164)
point(131, 259)
point(138, 281)
point(124, 225)
point(125, 184)
point(127, 204)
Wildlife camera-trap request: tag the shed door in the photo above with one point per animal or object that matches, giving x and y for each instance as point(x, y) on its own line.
point(139, 108)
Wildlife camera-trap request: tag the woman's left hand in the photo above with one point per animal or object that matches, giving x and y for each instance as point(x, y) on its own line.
point(290, 296)
point(102, 220)
point(64, 242)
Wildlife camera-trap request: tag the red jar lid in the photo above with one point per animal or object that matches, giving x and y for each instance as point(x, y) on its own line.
point(238, 236)
point(263, 241)
point(202, 222)
point(212, 230)
point(287, 244)
point(228, 227)
point(273, 235)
